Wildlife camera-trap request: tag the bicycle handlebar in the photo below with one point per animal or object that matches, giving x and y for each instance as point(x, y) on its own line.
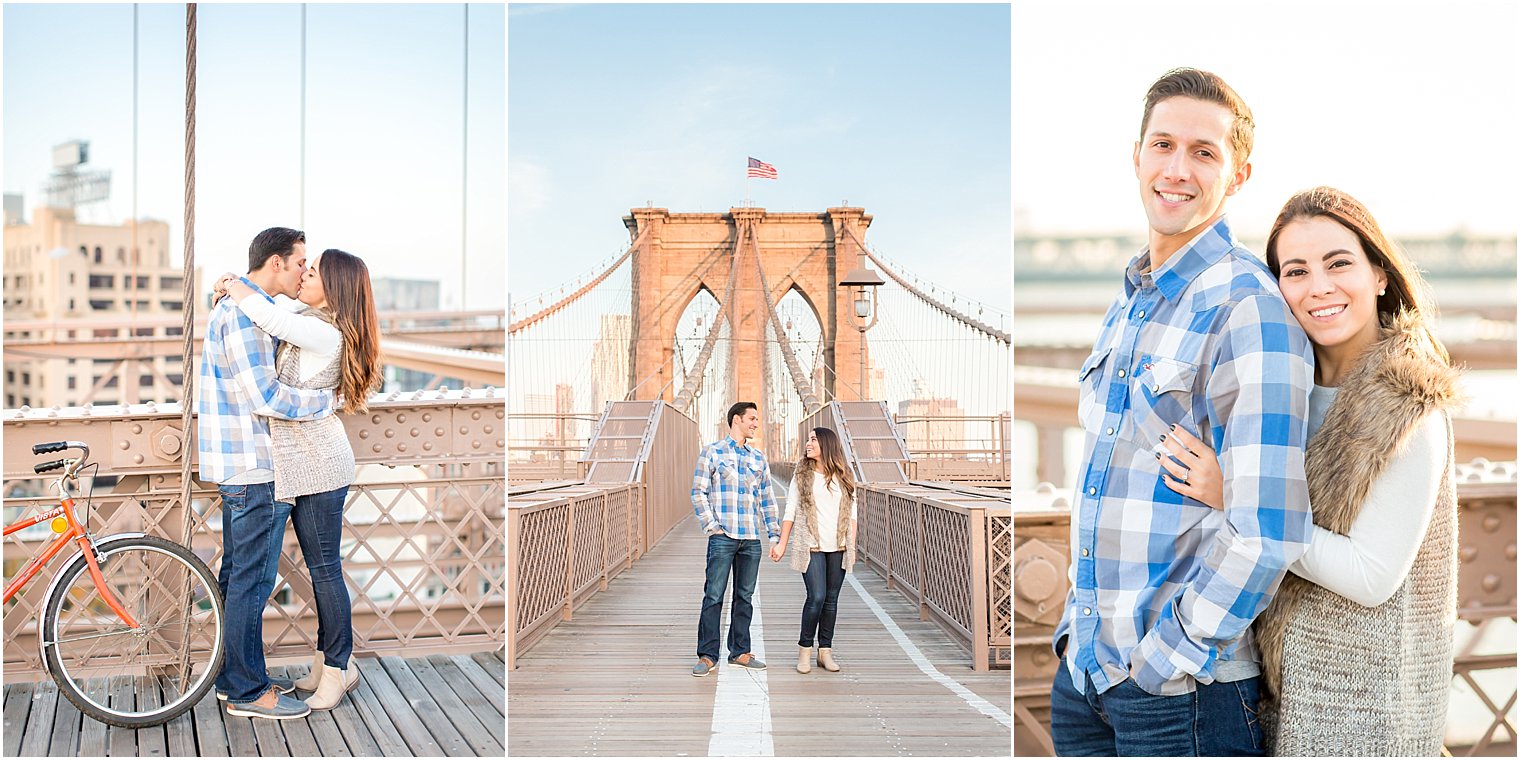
point(48, 448)
point(41, 468)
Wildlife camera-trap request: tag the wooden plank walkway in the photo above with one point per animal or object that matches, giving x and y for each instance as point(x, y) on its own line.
point(416, 707)
point(616, 680)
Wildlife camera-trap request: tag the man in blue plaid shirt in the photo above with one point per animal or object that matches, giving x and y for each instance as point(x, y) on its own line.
point(1155, 642)
point(731, 495)
point(238, 392)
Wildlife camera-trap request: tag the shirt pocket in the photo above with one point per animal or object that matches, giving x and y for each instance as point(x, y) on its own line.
point(1161, 396)
point(727, 475)
point(1092, 389)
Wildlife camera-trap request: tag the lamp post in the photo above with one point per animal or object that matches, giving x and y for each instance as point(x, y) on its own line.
point(863, 316)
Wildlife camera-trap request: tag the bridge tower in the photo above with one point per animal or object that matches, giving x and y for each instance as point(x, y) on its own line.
point(683, 253)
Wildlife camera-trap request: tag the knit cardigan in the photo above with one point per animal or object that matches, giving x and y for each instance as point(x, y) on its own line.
point(312, 456)
point(805, 526)
point(1343, 679)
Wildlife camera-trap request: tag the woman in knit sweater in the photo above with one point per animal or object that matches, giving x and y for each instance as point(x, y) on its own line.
point(329, 338)
point(820, 526)
point(1357, 643)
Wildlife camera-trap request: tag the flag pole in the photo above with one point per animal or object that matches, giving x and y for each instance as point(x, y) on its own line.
point(746, 183)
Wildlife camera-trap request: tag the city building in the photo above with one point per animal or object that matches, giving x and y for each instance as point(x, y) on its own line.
point(107, 277)
point(401, 294)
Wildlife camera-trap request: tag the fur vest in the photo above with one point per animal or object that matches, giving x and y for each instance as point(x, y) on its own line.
point(805, 523)
point(1343, 679)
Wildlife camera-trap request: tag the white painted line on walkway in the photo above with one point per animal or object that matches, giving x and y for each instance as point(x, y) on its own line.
point(741, 722)
point(918, 658)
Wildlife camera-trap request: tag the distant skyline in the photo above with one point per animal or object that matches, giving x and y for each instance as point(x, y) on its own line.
point(1410, 107)
point(900, 109)
point(384, 153)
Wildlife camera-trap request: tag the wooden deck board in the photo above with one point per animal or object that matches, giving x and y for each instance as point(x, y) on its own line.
point(454, 690)
point(615, 679)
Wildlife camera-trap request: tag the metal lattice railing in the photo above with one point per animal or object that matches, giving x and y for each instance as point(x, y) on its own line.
point(946, 549)
point(423, 524)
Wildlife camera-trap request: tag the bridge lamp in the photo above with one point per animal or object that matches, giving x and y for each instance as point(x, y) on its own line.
point(863, 317)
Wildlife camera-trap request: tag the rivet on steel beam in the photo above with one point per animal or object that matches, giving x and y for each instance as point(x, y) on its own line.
point(137, 459)
point(474, 415)
point(400, 418)
point(488, 429)
point(439, 432)
point(389, 433)
point(401, 447)
point(464, 430)
point(374, 419)
point(501, 413)
point(1491, 523)
point(363, 434)
point(1509, 552)
point(428, 446)
point(500, 444)
point(1469, 553)
point(136, 429)
point(474, 444)
point(1490, 583)
point(124, 444)
point(376, 448)
point(427, 417)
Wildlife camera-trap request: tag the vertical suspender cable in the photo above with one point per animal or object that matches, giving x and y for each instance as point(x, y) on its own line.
point(302, 215)
point(132, 302)
point(187, 366)
point(464, 169)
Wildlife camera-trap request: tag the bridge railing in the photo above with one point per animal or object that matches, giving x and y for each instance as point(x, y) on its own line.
point(1485, 598)
point(547, 446)
point(422, 535)
point(565, 541)
point(958, 448)
point(947, 549)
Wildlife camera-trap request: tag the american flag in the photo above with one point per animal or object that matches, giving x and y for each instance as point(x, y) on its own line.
point(761, 169)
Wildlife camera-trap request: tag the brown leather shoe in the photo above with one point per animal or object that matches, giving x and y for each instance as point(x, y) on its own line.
point(703, 667)
point(747, 660)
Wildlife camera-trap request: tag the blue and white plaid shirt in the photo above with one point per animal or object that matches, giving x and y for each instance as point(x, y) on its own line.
point(1163, 587)
point(239, 390)
point(731, 489)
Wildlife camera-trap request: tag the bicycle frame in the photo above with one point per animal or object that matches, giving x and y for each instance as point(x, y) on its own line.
point(73, 533)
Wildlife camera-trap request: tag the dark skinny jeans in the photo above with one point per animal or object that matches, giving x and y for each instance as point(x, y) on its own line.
point(824, 577)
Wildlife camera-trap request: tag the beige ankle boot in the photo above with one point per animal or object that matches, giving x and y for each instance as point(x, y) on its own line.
point(313, 677)
point(335, 683)
point(826, 659)
point(804, 659)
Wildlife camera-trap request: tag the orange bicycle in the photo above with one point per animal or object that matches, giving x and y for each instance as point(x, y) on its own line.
point(131, 627)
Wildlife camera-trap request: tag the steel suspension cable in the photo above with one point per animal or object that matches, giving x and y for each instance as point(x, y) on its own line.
point(187, 328)
point(725, 309)
point(804, 389)
point(563, 302)
point(948, 310)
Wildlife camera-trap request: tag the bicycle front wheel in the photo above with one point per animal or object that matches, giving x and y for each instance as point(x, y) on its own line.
point(143, 676)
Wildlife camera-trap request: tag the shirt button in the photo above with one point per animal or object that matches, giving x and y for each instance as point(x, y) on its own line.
point(1092, 492)
point(1140, 315)
point(1084, 552)
point(1110, 431)
point(1086, 610)
point(1122, 373)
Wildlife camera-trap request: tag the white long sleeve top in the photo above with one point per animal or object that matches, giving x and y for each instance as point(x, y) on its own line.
point(826, 499)
point(1370, 563)
point(319, 341)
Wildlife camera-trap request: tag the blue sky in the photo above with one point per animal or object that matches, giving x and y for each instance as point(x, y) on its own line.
point(384, 127)
point(901, 109)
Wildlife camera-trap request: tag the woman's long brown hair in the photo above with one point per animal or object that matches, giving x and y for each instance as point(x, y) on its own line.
point(831, 461)
point(351, 300)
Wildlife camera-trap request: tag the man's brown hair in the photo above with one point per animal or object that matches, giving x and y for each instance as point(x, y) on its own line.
point(1210, 88)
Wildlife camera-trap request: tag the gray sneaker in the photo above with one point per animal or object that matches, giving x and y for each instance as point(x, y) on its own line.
point(282, 685)
point(703, 667)
point(747, 660)
point(285, 708)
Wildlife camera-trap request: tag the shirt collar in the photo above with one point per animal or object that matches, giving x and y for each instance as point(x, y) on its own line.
point(255, 286)
point(735, 445)
point(1203, 251)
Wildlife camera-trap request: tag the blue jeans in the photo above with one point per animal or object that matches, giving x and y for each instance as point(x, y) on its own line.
point(253, 526)
point(823, 579)
point(318, 519)
point(743, 558)
point(1217, 720)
